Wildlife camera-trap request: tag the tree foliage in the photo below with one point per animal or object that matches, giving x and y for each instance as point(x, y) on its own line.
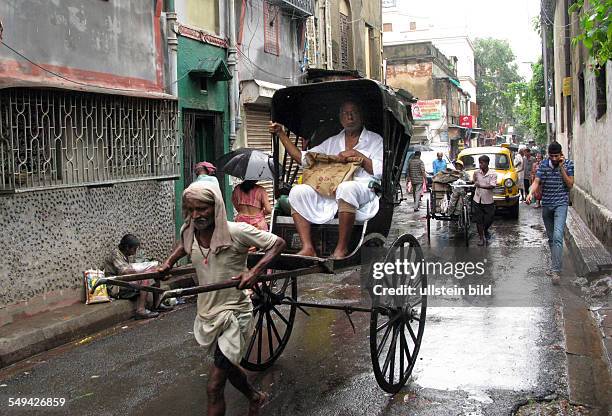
point(497, 79)
point(596, 32)
point(531, 99)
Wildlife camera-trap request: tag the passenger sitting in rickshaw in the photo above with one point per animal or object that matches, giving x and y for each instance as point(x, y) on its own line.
point(454, 206)
point(353, 199)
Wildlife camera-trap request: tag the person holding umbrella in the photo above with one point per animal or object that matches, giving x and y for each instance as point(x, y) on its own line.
point(252, 203)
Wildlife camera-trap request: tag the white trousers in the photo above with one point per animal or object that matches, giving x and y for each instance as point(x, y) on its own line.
point(318, 209)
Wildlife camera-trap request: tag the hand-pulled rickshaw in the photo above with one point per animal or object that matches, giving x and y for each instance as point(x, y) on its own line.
point(396, 322)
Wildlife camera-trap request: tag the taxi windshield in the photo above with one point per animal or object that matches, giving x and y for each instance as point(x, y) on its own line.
point(496, 161)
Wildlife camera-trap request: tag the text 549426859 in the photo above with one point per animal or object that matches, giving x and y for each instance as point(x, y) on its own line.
point(36, 401)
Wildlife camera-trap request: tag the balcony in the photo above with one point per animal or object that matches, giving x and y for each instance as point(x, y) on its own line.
point(298, 8)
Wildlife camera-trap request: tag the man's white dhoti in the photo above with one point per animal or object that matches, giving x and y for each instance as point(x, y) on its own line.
point(318, 209)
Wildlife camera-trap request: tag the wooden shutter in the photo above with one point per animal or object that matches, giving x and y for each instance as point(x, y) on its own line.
point(258, 137)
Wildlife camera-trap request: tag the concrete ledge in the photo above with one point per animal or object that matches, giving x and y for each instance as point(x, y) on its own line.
point(27, 337)
point(592, 258)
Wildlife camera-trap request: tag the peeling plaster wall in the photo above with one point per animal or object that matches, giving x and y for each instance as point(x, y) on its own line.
point(50, 237)
point(591, 143)
point(254, 62)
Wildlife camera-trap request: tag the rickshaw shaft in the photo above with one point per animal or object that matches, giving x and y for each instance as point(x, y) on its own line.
point(349, 309)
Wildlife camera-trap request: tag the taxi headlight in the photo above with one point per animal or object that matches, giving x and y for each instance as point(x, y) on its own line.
point(508, 183)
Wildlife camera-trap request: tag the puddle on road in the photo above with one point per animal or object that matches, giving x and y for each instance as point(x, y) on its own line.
point(498, 349)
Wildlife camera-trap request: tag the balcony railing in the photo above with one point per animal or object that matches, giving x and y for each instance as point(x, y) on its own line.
point(301, 8)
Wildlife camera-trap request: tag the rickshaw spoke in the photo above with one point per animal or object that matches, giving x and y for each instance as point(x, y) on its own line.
point(402, 348)
point(260, 339)
point(383, 326)
point(418, 302)
point(278, 337)
point(407, 351)
point(252, 343)
point(383, 341)
point(280, 315)
point(270, 344)
point(389, 354)
point(414, 338)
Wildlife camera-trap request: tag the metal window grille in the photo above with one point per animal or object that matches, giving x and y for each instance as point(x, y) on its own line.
point(53, 139)
point(271, 28)
point(344, 41)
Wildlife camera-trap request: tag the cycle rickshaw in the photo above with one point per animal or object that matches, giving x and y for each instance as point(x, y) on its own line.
point(396, 322)
point(442, 207)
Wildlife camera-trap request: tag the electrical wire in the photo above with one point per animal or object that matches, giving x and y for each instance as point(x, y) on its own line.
point(261, 69)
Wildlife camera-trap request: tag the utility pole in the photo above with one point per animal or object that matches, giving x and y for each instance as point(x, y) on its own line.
point(545, 60)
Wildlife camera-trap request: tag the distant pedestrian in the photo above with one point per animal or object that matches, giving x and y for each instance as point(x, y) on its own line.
point(485, 181)
point(534, 169)
point(527, 165)
point(416, 178)
point(554, 178)
point(520, 171)
point(439, 164)
point(205, 171)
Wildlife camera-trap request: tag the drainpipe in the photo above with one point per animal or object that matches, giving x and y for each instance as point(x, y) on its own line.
point(232, 64)
point(172, 46)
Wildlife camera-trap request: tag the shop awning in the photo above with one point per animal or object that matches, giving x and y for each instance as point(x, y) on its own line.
point(213, 68)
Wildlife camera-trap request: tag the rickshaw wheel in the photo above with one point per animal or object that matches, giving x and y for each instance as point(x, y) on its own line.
point(397, 322)
point(273, 322)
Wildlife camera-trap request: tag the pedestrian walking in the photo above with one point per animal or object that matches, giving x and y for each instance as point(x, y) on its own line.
point(534, 168)
point(485, 181)
point(520, 171)
point(218, 250)
point(416, 178)
point(554, 178)
point(527, 165)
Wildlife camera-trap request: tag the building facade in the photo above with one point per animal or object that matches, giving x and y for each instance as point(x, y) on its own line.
point(203, 83)
point(88, 144)
point(582, 120)
point(453, 42)
point(345, 35)
point(431, 77)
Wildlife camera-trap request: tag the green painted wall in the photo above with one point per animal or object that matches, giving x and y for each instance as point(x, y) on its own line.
point(191, 97)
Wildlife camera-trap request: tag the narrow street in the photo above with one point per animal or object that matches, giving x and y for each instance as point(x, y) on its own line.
point(475, 360)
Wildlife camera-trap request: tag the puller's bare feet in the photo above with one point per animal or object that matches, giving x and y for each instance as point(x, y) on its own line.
point(310, 252)
point(257, 402)
point(339, 254)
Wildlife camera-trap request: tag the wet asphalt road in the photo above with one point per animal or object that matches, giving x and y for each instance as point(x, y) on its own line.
point(478, 360)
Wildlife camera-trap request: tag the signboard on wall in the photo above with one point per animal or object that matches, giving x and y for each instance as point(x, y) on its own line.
point(427, 110)
point(466, 121)
point(567, 86)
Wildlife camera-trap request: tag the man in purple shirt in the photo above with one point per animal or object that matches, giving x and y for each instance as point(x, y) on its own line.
point(483, 205)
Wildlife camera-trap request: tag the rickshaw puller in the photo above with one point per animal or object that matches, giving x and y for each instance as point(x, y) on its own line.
point(224, 319)
point(354, 200)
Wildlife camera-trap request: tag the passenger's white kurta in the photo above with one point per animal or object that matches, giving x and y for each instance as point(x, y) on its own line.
point(318, 209)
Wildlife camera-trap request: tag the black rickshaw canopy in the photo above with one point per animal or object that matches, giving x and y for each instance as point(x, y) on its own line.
point(311, 110)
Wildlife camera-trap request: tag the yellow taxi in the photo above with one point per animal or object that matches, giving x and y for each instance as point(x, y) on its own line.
point(506, 193)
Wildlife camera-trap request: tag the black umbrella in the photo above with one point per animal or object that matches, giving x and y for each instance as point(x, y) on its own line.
point(419, 148)
point(247, 164)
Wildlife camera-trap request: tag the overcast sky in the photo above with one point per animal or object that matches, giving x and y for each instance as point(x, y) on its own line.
point(502, 19)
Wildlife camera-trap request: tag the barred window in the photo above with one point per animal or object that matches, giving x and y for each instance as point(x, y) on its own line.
point(271, 28)
point(52, 139)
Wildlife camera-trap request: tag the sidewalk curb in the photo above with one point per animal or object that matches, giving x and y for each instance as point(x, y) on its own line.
point(592, 258)
point(43, 332)
point(30, 336)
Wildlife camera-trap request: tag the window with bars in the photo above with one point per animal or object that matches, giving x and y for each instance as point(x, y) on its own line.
point(271, 28)
point(52, 139)
point(344, 41)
